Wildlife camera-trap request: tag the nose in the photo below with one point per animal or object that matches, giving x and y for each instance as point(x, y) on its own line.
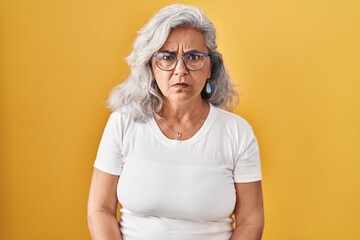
point(180, 68)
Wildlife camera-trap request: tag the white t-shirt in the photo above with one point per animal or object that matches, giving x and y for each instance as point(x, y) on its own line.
point(177, 190)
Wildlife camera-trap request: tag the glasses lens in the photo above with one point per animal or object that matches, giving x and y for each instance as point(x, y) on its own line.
point(166, 61)
point(195, 60)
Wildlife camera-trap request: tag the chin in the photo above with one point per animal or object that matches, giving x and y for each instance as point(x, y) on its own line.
point(183, 97)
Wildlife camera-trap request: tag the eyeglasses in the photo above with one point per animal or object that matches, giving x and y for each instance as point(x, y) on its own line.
point(193, 60)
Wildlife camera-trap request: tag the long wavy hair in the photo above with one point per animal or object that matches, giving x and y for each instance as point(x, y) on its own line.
point(140, 93)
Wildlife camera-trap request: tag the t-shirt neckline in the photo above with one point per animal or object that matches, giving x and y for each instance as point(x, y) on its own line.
point(198, 135)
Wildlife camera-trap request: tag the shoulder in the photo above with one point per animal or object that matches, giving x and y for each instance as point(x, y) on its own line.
point(121, 114)
point(120, 118)
point(123, 119)
point(128, 114)
point(230, 119)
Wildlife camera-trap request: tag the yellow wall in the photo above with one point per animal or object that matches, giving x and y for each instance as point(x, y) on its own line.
point(297, 64)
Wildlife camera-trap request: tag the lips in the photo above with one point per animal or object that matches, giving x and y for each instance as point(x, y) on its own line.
point(182, 85)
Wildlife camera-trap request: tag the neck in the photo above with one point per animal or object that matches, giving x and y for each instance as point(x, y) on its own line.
point(182, 121)
point(183, 112)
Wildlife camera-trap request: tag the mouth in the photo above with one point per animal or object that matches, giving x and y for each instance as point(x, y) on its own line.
point(181, 85)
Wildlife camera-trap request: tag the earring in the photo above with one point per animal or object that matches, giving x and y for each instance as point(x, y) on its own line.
point(208, 87)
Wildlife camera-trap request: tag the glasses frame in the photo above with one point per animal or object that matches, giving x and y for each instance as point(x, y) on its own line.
point(177, 59)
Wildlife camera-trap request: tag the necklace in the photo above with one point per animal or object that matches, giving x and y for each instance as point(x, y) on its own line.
point(178, 134)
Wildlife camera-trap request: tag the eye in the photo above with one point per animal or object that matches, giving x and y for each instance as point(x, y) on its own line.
point(194, 56)
point(166, 57)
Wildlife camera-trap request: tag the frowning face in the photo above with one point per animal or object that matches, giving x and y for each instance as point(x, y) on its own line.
point(182, 84)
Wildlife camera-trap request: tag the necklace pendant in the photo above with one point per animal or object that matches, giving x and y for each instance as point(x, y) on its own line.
point(178, 136)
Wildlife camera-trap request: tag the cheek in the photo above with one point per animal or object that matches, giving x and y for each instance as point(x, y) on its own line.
point(161, 78)
point(156, 73)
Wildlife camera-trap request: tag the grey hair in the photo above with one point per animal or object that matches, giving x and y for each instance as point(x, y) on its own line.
point(140, 93)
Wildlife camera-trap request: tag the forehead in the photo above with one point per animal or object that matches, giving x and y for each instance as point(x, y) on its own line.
point(185, 39)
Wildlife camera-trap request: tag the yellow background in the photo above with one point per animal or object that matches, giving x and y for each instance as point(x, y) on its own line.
point(297, 64)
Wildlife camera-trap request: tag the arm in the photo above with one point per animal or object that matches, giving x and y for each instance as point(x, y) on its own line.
point(249, 211)
point(102, 206)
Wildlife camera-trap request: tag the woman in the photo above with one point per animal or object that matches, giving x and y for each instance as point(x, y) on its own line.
point(179, 165)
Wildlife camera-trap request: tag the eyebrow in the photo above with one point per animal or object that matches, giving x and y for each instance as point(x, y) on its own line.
point(172, 52)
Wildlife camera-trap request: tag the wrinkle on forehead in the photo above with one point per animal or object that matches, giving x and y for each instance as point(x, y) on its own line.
point(181, 40)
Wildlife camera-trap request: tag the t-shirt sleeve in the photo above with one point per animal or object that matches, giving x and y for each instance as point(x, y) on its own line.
point(248, 167)
point(109, 155)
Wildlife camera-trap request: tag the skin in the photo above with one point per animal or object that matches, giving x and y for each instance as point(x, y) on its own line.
point(183, 107)
point(180, 41)
point(181, 88)
point(249, 211)
point(102, 205)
